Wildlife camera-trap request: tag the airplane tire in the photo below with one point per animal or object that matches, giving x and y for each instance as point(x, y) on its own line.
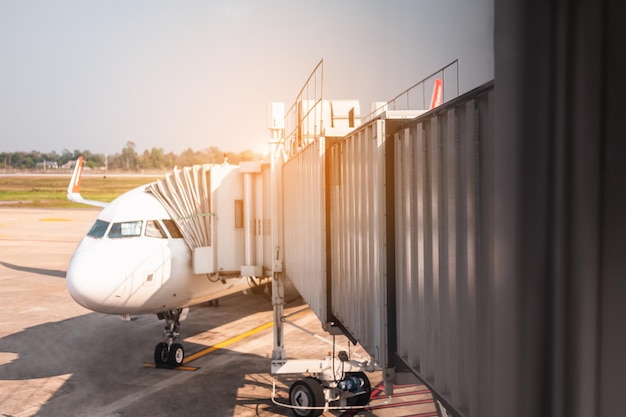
point(161, 353)
point(307, 393)
point(176, 354)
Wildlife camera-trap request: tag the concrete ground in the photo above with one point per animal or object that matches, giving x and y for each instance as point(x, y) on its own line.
point(59, 359)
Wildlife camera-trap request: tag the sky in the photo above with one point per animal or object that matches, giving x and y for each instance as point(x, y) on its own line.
point(97, 74)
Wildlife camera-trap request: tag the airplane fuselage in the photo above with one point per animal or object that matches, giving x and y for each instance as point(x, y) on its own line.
point(134, 261)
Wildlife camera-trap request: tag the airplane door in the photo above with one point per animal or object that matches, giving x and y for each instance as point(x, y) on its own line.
point(148, 277)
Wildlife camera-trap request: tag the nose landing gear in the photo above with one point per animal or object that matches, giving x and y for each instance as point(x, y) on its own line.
point(165, 355)
point(169, 352)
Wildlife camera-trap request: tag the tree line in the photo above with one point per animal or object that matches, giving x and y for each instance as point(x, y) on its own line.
point(128, 159)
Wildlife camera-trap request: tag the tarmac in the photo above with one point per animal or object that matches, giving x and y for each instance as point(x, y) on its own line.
point(60, 359)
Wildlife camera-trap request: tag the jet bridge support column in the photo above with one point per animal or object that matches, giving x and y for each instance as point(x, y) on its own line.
point(276, 125)
point(252, 219)
point(247, 218)
point(279, 355)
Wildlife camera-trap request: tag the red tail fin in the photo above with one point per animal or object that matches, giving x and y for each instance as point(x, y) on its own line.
point(437, 98)
point(73, 190)
point(75, 182)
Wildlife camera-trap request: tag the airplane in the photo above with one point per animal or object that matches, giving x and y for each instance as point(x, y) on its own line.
point(134, 261)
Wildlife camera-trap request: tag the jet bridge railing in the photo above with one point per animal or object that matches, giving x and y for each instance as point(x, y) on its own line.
point(303, 122)
point(418, 95)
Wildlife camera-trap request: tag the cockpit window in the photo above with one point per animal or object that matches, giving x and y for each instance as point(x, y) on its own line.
point(98, 229)
point(126, 229)
point(154, 229)
point(172, 228)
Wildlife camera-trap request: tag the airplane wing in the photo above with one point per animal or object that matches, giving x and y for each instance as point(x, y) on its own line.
point(73, 190)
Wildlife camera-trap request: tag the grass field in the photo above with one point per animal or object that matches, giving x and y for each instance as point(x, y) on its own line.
point(50, 191)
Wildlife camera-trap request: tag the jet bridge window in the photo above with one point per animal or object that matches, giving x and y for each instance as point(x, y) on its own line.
point(98, 229)
point(154, 229)
point(126, 229)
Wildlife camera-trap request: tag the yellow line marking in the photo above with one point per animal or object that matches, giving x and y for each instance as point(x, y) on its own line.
point(54, 219)
point(178, 368)
point(225, 343)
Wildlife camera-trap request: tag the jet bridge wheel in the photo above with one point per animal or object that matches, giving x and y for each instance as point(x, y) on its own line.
point(307, 392)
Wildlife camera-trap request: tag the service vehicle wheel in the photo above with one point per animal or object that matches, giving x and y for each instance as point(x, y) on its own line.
point(307, 393)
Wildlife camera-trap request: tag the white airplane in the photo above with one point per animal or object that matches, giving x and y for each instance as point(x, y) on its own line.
point(134, 261)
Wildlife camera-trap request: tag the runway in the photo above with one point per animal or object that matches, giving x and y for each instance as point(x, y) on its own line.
point(59, 359)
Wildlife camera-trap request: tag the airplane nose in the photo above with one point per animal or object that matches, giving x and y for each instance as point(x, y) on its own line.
point(94, 281)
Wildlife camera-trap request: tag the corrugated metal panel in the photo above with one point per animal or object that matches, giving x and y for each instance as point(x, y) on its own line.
point(408, 254)
point(441, 284)
point(357, 235)
point(186, 195)
point(305, 225)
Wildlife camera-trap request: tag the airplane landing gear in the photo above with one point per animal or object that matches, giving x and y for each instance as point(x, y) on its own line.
point(172, 355)
point(168, 352)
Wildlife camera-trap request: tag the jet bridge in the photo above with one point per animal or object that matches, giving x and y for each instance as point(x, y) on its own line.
point(382, 238)
point(222, 215)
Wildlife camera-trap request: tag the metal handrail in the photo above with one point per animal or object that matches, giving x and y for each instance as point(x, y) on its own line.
point(303, 120)
point(403, 101)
